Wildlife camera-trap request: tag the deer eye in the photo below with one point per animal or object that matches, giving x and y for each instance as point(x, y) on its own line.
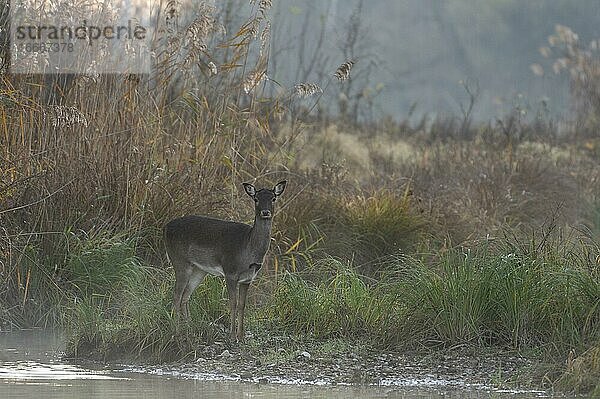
point(274, 199)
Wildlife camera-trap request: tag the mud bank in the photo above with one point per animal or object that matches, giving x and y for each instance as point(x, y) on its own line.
point(283, 360)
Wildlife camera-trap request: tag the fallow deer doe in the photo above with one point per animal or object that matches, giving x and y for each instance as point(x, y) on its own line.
point(200, 245)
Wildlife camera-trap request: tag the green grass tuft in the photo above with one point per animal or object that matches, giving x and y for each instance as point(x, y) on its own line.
point(136, 320)
point(96, 265)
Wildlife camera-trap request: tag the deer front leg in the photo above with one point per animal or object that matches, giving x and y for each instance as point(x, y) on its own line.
point(241, 307)
point(232, 292)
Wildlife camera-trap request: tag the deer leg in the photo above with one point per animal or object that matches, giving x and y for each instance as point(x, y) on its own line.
point(194, 281)
point(232, 291)
point(241, 307)
point(182, 274)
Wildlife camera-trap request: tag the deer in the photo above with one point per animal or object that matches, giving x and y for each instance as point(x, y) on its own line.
point(201, 245)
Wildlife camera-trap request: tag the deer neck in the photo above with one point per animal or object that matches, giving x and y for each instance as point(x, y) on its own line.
point(260, 235)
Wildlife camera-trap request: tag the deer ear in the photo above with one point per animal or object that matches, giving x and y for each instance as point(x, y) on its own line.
point(250, 190)
point(279, 187)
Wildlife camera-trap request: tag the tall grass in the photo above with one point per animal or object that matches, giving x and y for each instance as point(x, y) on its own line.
point(362, 226)
point(509, 298)
point(340, 303)
point(136, 320)
point(122, 154)
point(485, 296)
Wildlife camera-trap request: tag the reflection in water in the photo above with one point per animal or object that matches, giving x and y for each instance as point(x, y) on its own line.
point(28, 370)
point(31, 367)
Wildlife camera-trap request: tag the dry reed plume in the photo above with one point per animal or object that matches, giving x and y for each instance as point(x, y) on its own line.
point(343, 72)
point(307, 89)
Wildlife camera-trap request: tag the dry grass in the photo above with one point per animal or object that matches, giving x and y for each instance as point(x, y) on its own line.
point(583, 373)
point(97, 155)
point(117, 153)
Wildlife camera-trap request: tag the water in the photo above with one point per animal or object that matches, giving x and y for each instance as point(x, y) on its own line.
point(31, 367)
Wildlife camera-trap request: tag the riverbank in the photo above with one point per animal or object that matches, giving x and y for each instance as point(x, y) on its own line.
point(301, 361)
point(472, 314)
point(32, 358)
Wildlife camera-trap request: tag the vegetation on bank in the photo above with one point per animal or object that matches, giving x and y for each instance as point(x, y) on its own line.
point(540, 298)
point(405, 235)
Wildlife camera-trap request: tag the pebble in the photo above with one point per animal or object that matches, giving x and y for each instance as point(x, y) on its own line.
point(226, 353)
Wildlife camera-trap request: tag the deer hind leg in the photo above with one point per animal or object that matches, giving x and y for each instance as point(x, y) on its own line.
point(183, 271)
point(194, 280)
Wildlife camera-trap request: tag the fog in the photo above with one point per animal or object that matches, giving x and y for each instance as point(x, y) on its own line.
point(417, 56)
